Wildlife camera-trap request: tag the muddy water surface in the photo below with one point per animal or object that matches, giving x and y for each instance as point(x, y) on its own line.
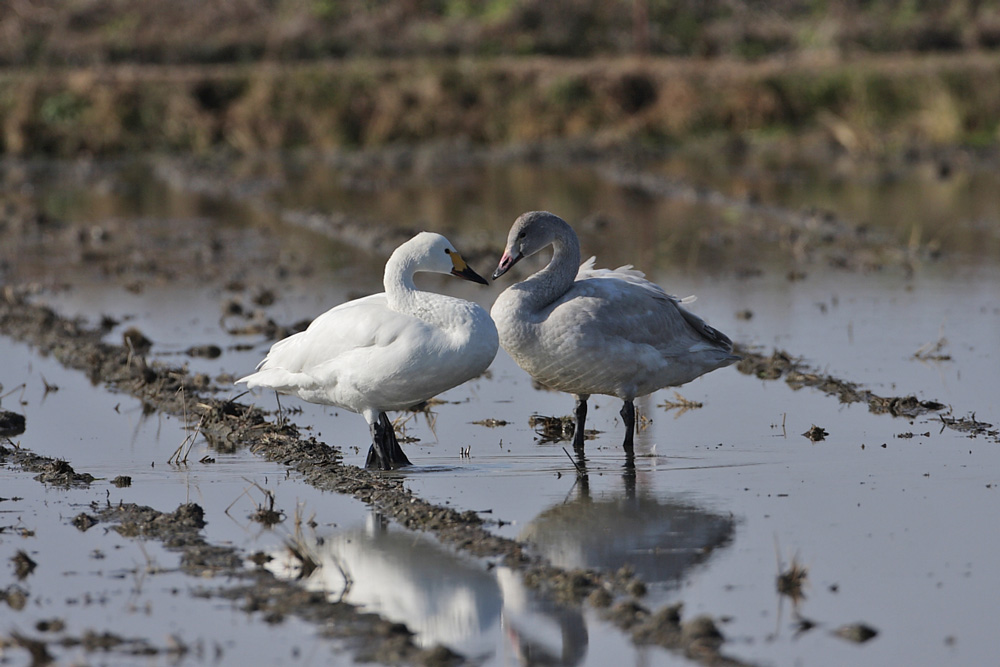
point(890, 516)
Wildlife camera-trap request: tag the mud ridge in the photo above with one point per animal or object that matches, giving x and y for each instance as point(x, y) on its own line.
point(50, 471)
point(226, 423)
point(797, 374)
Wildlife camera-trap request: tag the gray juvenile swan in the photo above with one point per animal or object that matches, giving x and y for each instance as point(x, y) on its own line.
point(588, 331)
point(387, 351)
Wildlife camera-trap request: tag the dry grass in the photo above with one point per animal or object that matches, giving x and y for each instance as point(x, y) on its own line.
point(865, 107)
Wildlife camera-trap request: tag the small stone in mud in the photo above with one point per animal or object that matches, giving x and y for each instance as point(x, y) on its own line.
point(15, 597)
point(135, 340)
point(204, 351)
point(54, 625)
point(552, 428)
point(490, 423)
point(600, 598)
point(267, 516)
point(816, 433)
point(636, 588)
point(260, 559)
point(232, 307)
point(701, 629)
point(23, 564)
point(856, 632)
point(663, 627)
point(122, 481)
point(745, 314)
point(438, 656)
point(627, 613)
point(84, 521)
point(62, 473)
point(264, 297)
point(11, 423)
point(38, 651)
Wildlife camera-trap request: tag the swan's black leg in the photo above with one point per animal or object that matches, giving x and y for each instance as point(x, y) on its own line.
point(580, 415)
point(628, 415)
point(385, 452)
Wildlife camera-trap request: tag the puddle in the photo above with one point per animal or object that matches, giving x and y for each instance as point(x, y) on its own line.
point(723, 495)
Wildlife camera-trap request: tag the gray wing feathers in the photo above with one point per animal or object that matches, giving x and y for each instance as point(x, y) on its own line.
point(710, 334)
point(644, 311)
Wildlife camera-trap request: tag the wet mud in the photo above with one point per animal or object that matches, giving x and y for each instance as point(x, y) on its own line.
point(50, 471)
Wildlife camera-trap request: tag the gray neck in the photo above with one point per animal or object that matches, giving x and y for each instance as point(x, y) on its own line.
point(550, 283)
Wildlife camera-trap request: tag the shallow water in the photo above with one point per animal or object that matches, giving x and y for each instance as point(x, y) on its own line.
point(894, 530)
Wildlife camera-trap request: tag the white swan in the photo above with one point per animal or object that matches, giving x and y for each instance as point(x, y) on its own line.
point(597, 331)
point(387, 351)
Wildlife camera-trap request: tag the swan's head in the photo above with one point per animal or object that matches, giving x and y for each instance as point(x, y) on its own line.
point(530, 233)
point(432, 252)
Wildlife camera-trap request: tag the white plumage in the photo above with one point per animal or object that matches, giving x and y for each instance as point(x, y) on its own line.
point(387, 351)
point(588, 331)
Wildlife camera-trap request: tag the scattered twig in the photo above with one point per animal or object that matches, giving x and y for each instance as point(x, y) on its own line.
point(580, 470)
point(681, 404)
point(932, 351)
point(21, 387)
point(49, 388)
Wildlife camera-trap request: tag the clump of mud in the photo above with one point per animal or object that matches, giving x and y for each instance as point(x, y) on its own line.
point(50, 471)
point(11, 423)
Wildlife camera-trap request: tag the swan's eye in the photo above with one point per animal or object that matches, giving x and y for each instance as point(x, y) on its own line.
point(522, 235)
point(447, 251)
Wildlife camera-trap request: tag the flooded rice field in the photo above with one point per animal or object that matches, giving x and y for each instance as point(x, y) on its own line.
point(828, 501)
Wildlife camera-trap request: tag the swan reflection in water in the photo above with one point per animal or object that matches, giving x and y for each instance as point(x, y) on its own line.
point(488, 613)
point(660, 540)
point(441, 597)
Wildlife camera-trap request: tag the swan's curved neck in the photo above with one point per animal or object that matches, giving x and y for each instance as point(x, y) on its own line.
point(400, 290)
point(552, 282)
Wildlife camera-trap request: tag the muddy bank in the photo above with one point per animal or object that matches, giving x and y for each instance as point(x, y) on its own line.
point(227, 424)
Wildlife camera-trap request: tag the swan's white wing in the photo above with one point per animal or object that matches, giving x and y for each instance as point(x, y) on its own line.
point(343, 335)
point(627, 274)
point(362, 354)
point(351, 325)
